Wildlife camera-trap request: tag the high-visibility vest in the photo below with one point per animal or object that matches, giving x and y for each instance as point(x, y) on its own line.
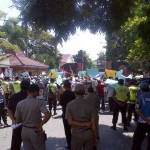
point(133, 94)
point(53, 88)
point(16, 86)
point(5, 86)
point(122, 93)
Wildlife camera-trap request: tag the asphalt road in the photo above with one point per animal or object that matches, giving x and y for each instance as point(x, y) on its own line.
point(109, 139)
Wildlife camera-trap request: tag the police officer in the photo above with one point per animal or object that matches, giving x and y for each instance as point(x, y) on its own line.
point(66, 97)
point(81, 117)
point(52, 96)
point(16, 86)
point(13, 101)
point(143, 126)
point(121, 97)
point(5, 86)
point(3, 114)
point(29, 113)
point(132, 101)
point(93, 102)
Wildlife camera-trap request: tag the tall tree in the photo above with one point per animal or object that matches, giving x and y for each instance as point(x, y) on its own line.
point(44, 48)
point(5, 45)
point(65, 16)
point(132, 42)
point(41, 46)
point(83, 59)
point(15, 33)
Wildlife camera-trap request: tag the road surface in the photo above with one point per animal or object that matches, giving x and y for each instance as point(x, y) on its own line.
point(109, 139)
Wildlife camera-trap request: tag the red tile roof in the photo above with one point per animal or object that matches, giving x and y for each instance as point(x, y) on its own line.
point(66, 58)
point(20, 60)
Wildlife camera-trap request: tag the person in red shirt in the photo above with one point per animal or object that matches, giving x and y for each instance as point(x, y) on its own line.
point(101, 94)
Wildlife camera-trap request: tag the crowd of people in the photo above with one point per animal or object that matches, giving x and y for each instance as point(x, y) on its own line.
point(82, 100)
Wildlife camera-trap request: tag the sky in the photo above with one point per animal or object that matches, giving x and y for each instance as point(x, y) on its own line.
point(82, 40)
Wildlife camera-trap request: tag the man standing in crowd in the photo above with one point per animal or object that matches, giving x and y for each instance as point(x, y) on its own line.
point(52, 96)
point(133, 89)
point(5, 86)
point(29, 114)
point(3, 114)
point(143, 126)
point(13, 101)
point(101, 94)
point(121, 97)
point(110, 93)
point(93, 102)
point(15, 86)
point(65, 98)
point(81, 117)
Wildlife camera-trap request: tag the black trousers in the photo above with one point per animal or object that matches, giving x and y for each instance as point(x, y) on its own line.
point(139, 136)
point(52, 105)
point(119, 108)
point(16, 139)
point(102, 102)
point(67, 129)
point(131, 110)
point(3, 114)
point(111, 101)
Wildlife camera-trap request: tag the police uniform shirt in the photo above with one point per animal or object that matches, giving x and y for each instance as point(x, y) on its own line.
point(65, 98)
point(79, 111)
point(122, 93)
point(28, 112)
point(93, 101)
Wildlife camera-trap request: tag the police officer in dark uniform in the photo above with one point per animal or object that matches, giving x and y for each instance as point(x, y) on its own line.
point(65, 98)
point(14, 100)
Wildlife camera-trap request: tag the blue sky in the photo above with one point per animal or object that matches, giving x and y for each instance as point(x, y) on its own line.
point(92, 43)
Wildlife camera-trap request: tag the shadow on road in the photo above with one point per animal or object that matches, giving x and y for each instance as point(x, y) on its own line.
point(114, 140)
point(53, 143)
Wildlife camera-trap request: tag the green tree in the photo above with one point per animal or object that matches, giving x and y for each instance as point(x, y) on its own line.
point(44, 48)
point(137, 34)
point(5, 45)
point(39, 45)
point(82, 58)
point(15, 33)
point(65, 16)
point(131, 43)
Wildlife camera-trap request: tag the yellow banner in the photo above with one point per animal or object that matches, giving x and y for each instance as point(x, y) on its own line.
point(110, 73)
point(53, 74)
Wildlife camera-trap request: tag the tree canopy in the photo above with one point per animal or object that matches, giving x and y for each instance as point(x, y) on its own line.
point(41, 46)
point(131, 43)
point(64, 16)
point(83, 58)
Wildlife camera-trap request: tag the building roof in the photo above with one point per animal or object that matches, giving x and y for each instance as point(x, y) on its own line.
point(66, 58)
point(20, 60)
